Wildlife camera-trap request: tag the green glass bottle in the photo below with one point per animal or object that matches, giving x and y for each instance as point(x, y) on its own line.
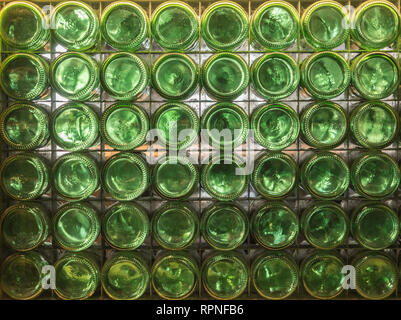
point(76, 226)
point(124, 126)
point(24, 76)
point(175, 178)
point(75, 25)
point(375, 226)
point(24, 26)
point(125, 225)
point(275, 275)
point(375, 75)
point(24, 126)
point(21, 275)
point(224, 25)
point(374, 124)
point(177, 125)
point(324, 125)
point(325, 75)
point(24, 176)
point(276, 126)
point(124, 76)
point(321, 274)
point(75, 127)
point(274, 226)
point(175, 275)
point(175, 226)
point(224, 226)
point(325, 175)
point(226, 125)
point(225, 76)
point(75, 176)
point(275, 75)
point(325, 225)
point(124, 25)
point(325, 25)
point(25, 225)
point(175, 25)
point(225, 275)
point(376, 24)
point(376, 275)
point(275, 25)
point(274, 175)
point(75, 76)
point(175, 76)
point(375, 175)
point(125, 276)
point(125, 176)
point(221, 180)
point(77, 276)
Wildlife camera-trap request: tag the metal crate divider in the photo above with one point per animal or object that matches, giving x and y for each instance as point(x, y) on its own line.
point(199, 101)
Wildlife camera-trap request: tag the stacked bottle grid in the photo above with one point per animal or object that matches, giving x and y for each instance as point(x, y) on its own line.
point(200, 101)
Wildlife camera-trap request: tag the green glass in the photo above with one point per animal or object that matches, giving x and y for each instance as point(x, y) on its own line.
point(76, 226)
point(177, 125)
point(225, 76)
point(224, 226)
point(21, 275)
point(24, 176)
point(24, 76)
point(124, 25)
point(325, 75)
point(275, 75)
point(1, 206)
point(275, 25)
point(325, 225)
point(124, 76)
point(376, 24)
point(324, 125)
point(376, 275)
point(175, 178)
point(75, 76)
point(375, 175)
point(174, 275)
point(75, 127)
point(175, 76)
point(125, 276)
point(125, 225)
point(24, 126)
point(77, 276)
point(321, 275)
point(124, 126)
point(274, 175)
point(375, 226)
point(175, 226)
point(75, 176)
point(375, 75)
point(222, 177)
point(274, 226)
point(75, 25)
point(276, 126)
point(24, 26)
point(224, 25)
point(374, 124)
point(325, 175)
point(225, 275)
point(275, 275)
point(125, 176)
point(175, 25)
point(226, 124)
point(325, 25)
point(25, 226)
